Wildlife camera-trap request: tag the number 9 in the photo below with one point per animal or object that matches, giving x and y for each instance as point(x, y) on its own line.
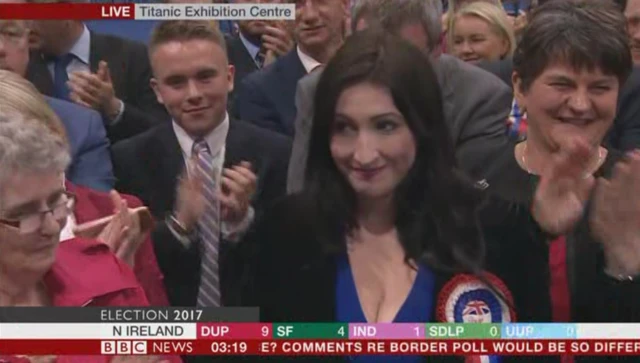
point(493, 331)
point(265, 331)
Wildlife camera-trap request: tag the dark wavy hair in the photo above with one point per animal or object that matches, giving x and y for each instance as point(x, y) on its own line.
point(435, 205)
point(585, 34)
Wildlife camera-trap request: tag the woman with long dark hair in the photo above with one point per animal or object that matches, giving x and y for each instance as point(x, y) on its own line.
point(385, 229)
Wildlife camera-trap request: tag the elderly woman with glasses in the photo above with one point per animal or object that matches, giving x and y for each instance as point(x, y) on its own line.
point(133, 245)
point(35, 268)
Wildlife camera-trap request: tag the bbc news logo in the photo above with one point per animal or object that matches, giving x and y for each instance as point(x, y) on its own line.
point(117, 347)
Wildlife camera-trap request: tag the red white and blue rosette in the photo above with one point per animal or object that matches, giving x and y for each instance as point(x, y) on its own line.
point(467, 299)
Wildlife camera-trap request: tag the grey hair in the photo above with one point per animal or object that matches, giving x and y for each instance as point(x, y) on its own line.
point(27, 145)
point(391, 15)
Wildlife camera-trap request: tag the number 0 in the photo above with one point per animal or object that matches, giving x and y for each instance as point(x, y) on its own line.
point(493, 331)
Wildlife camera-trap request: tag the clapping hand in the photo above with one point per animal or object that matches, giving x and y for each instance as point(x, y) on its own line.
point(615, 217)
point(95, 90)
point(564, 188)
point(190, 202)
point(238, 186)
point(123, 234)
point(277, 40)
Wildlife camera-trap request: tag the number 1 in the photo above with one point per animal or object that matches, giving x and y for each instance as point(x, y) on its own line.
point(417, 329)
point(570, 332)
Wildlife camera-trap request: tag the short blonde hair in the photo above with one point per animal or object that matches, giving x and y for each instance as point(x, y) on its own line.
point(17, 95)
point(493, 14)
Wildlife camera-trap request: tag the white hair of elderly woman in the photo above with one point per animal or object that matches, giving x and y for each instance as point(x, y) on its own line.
point(27, 145)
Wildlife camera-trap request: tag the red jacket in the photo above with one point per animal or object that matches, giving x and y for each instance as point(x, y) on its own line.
point(87, 273)
point(91, 205)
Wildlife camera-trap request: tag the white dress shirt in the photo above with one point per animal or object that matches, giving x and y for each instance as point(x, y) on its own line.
point(308, 63)
point(251, 48)
point(216, 140)
point(81, 50)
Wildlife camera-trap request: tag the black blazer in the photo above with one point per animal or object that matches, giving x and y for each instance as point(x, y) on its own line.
point(130, 71)
point(594, 297)
point(267, 98)
point(625, 132)
point(244, 64)
point(294, 277)
point(240, 58)
point(148, 167)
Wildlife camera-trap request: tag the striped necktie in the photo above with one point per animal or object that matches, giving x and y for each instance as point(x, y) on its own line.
point(209, 227)
point(260, 57)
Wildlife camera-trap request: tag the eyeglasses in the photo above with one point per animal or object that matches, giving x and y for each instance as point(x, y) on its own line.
point(32, 222)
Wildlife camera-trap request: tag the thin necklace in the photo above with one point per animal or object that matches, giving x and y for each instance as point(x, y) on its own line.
point(526, 167)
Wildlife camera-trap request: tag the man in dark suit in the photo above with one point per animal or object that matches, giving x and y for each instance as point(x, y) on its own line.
point(103, 72)
point(267, 98)
point(257, 43)
point(192, 78)
point(242, 57)
point(91, 162)
point(625, 132)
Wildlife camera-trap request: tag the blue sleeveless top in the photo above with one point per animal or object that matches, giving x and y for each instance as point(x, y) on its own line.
point(417, 308)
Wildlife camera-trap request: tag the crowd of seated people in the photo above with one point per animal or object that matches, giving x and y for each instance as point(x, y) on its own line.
point(356, 164)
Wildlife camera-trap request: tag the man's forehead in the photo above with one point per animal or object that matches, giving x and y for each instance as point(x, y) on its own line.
point(178, 47)
point(198, 50)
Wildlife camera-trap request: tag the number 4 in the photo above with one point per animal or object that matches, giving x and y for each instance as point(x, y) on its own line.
point(341, 331)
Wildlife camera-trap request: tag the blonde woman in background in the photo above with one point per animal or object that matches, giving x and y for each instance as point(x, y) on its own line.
point(480, 31)
point(453, 7)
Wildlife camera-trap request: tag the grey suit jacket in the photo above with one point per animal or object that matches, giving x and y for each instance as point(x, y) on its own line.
point(476, 106)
